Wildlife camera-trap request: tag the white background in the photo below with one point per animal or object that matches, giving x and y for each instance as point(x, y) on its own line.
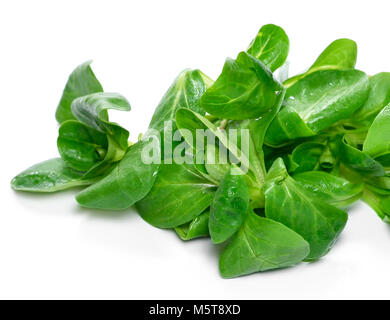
point(50, 248)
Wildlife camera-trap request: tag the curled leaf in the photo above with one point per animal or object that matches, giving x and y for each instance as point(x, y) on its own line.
point(82, 81)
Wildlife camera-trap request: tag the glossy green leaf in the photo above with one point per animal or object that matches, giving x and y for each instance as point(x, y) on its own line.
point(127, 183)
point(308, 156)
point(377, 143)
point(271, 46)
point(287, 202)
point(358, 161)
point(355, 137)
point(197, 228)
point(179, 194)
point(262, 244)
point(329, 188)
point(317, 102)
point(82, 81)
point(93, 143)
point(81, 146)
point(229, 207)
point(341, 54)
point(378, 98)
point(92, 110)
point(246, 89)
point(185, 92)
point(286, 127)
point(48, 176)
point(379, 184)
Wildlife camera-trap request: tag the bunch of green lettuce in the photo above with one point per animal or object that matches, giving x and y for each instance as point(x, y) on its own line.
point(318, 142)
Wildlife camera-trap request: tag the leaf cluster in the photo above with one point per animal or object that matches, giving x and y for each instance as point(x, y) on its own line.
point(316, 143)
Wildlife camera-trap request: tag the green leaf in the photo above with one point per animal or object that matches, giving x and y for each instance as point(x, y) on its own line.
point(329, 188)
point(262, 244)
point(179, 194)
point(92, 110)
point(287, 202)
point(185, 92)
point(197, 228)
point(378, 98)
point(246, 89)
point(352, 136)
point(379, 184)
point(316, 103)
point(341, 54)
point(127, 183)
point(49, 176)
point(80, 146)
point(271, 46)
point(307, 156)
point(357, 160)
point(377, 143)
point(229, 207)
point(82, 81)
point(286, 127)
